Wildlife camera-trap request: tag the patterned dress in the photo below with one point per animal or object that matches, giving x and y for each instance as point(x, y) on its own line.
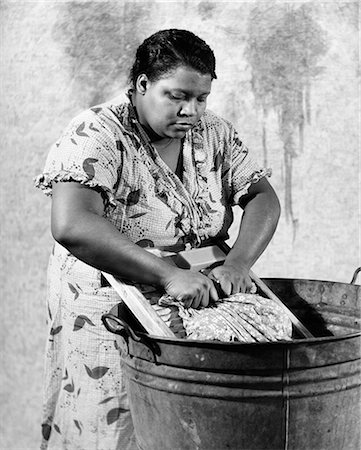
point(105, 148)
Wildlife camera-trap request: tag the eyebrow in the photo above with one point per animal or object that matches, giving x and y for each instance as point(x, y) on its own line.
point(185, 91)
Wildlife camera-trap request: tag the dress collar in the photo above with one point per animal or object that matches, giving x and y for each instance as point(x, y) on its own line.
point(195, 219)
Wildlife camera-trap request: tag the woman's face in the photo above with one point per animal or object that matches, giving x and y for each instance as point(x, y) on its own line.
point(170, 106)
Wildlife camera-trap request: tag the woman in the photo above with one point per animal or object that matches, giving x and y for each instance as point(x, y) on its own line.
point(158, 171)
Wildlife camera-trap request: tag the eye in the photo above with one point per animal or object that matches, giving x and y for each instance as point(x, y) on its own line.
point(175, 96)
point(203, 98)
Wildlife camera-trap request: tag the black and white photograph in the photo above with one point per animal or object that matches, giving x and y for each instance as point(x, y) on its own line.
point(180, 225)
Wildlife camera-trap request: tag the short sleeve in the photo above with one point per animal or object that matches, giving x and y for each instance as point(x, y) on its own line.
point(244, 170)
point(87, 152)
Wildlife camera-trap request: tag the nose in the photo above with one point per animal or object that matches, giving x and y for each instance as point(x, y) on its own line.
point(189, 108)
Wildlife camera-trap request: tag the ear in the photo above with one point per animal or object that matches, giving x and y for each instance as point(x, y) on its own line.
point(142, 83)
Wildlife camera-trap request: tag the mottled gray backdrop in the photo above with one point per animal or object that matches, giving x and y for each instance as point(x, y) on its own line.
point(287, 77)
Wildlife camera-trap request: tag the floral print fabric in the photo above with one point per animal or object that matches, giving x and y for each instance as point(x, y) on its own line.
point(237, 318)
point(85, 403)
point(146, 201)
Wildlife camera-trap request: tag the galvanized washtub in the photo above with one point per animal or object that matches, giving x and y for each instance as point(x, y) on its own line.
point(303, 394)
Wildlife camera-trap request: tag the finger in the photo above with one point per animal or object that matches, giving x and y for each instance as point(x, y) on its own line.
point(243, 287)
point(196, 302)
point(213, 294)
point(253, 289)
point(249, 283)
point(188, 303)
point(236, 286)
point(205, 293)
point(226, 287)
point(204, 300)
point(186, 300)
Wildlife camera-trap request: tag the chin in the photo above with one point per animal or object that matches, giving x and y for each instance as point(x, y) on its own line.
point(177, 134)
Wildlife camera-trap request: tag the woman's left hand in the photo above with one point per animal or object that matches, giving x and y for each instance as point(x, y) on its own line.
point(232, 279)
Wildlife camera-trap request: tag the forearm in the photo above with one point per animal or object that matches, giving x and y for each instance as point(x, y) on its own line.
point(96, 241)
point(258, 224)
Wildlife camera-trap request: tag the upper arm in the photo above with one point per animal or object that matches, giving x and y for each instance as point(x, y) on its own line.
point(245, 178)
point(70, 201)
point(262, 186)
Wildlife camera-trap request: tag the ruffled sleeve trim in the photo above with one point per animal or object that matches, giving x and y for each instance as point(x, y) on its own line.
point(256, 176)
point(45, 183)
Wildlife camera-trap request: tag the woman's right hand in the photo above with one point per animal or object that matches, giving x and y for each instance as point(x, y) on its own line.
point(191, 288)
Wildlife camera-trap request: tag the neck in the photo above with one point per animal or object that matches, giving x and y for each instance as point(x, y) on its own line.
point(163, 143)
point(136, 102)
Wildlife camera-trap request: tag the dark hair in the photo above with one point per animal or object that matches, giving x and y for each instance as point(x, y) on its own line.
point(166, 50)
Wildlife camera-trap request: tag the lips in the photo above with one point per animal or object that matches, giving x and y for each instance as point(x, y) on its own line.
point(184, 125)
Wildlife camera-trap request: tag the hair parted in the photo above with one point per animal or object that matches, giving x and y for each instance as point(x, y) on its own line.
point(166, 50)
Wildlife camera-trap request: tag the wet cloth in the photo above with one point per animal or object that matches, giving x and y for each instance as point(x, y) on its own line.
point(85, 403)
point(237, 318)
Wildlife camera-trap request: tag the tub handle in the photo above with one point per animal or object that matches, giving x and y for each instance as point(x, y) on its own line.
point(354, 278)
point(117, 326)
